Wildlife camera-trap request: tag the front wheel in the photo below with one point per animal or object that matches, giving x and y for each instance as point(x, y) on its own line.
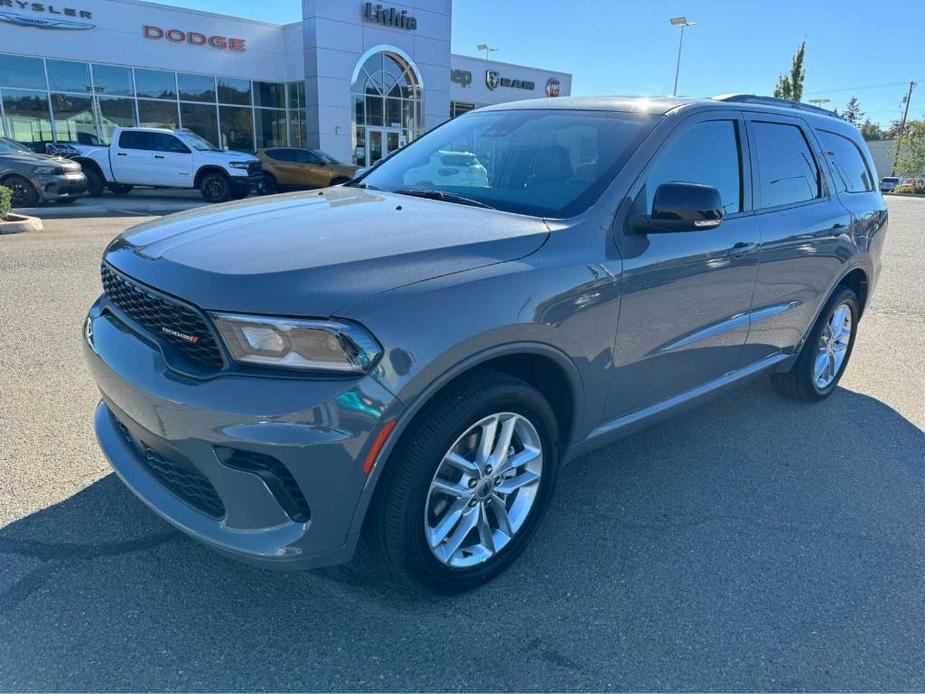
point(215, 187)
point(270, 186)
point(826, 352)
point(95, 182)
point(466, 488)
point(24, 193)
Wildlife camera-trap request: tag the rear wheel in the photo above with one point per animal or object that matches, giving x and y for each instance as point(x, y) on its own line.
point(120, 188)
point(215, 187)
point(826, 352)
point(466, 489)
point(24, 193)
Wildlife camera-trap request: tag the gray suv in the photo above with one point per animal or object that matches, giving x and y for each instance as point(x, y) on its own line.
point(35, 178)
point(414, 358)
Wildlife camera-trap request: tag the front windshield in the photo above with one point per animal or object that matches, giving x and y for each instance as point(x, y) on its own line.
point(326, 158)
point(545, 163)
point(8, 146)
point(196, 142)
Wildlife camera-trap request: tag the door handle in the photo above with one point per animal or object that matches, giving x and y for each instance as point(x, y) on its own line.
point(121, 154)
point(158, 156)
point(742, 248)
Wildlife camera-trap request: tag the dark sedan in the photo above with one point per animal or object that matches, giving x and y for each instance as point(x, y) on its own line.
point(36, 178)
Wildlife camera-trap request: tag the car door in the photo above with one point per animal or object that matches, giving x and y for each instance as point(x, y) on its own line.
point(804, 233)
point(686, 295)
point(130, 157)
point(172, 161)
point(313, 171)
point(284, 167)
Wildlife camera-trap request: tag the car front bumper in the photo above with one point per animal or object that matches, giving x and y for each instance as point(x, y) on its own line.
point(318, 432)
point(60, 186)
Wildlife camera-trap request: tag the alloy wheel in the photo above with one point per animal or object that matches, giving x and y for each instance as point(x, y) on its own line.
point(833, 346)
point(483, 490)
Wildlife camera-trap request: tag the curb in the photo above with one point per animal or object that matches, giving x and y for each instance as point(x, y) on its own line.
point(17, 224)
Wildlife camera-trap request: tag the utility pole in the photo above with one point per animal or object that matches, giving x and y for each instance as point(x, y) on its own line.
point(902, 123)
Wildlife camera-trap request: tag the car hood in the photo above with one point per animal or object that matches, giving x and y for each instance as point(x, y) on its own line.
point(223, 156)
point(25, 158)
point(310, 254)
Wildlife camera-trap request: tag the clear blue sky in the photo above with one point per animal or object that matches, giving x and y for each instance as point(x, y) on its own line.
point(867, 49)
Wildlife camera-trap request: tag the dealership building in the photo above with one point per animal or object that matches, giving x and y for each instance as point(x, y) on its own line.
point(355, 79)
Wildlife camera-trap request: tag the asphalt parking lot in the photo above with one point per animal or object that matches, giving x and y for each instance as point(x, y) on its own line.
point(753, 543)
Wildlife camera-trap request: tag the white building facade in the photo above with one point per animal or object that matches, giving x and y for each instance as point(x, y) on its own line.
point(355, 79)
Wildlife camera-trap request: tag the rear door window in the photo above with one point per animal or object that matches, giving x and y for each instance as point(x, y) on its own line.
point(848, 166)
point(708, 154)
point(787, 171)
point(135, 139)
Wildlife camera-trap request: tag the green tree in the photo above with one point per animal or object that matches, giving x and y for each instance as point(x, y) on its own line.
point(870, 130)
point(910, 159)
point(791, 86)
point(853, 113)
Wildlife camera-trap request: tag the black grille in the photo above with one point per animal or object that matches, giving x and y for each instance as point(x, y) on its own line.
point(168, 319)
point(254, 168)
point(275, 475)
point(182, 481)
point(189, 485)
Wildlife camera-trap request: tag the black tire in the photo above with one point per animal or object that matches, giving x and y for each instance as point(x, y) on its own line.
point(120, 188)
point(799, 383)
point(96, 184)
point(395, 523)
point(270, 185)
point(340, 181)
point(24, 193)
point(215, 187)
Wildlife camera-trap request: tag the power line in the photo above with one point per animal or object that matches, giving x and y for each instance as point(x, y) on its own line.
point(859, 88)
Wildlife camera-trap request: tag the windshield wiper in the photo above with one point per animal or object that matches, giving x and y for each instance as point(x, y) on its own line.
point(441, 195)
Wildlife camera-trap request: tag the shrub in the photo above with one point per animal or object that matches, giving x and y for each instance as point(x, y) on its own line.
point(6, 202)
point(916, 188)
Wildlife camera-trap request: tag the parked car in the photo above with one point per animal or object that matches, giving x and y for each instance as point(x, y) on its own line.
point(291, 168)
point(282, 374)
point(888, 184)
point(168, 159)
point(450, 169)
point(36, 178)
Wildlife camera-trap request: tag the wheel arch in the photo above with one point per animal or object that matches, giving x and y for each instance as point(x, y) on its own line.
point(208, 169)
point(88, 163)
point(544, 367)
point(858, 281)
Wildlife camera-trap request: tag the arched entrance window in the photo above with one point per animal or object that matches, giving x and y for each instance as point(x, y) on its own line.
point(387, 107)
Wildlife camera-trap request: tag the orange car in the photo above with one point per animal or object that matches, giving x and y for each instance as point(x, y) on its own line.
point(290, 168)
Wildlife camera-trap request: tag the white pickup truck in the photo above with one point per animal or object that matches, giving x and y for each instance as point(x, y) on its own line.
point(168, 159)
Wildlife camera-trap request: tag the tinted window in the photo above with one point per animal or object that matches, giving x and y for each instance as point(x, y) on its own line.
point(65, 76)
point(162, 142)
point(234, 91)
point(281, 154)
point(707, 154)
point(306, 157)
point(848, 166)
point(156, 84)
point(196, 87)
point(158, 114)
point(786, 168)
point(546, 163)
point(112, 80)
point(27, 73)
point(134, 140)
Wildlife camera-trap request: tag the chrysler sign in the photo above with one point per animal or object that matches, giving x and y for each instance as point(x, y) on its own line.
point(42, 16)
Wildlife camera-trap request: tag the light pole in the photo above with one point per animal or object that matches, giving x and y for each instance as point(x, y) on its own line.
point(488, 49)
point(820, 102)
point(683, 23)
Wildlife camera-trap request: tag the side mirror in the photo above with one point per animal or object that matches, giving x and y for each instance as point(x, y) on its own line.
point(681, 207)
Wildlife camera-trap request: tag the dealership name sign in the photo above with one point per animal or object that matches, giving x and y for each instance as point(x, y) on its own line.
point(493, 80)
point(389, 16)
point(194, 38)
point(42, 16)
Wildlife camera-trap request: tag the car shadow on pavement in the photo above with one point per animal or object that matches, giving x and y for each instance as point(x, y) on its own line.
point(752, 543)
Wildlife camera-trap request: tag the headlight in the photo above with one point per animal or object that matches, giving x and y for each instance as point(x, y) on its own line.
point(239, 164)
point(48, 171)
point(298, 344)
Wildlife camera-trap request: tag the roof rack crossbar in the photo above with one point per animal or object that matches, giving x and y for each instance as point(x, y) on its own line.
point(773, 101)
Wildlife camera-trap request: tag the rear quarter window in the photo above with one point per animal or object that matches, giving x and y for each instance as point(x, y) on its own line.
point(847, 163)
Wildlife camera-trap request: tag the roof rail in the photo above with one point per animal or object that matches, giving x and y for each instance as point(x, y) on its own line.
point(773, 101)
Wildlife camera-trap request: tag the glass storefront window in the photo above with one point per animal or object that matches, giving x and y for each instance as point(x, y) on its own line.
point(270, 126)
point(73, 117)
point(196, 88)
point(115, 113)
point(156, 84)
point(67, 76)
point(158, 114)
point(237, 128)
point(22, 73)
point(27, 117)
point(234, 91)
point(112, 80)
point(269, 95)
point(202, 119)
